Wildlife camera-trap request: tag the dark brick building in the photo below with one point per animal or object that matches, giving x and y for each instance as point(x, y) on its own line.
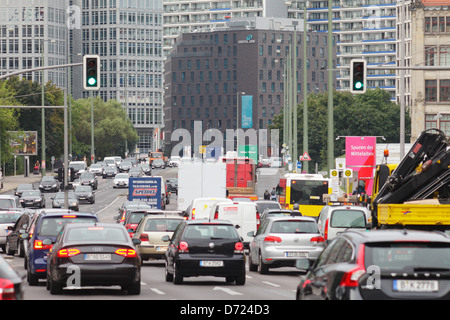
point(207, 71)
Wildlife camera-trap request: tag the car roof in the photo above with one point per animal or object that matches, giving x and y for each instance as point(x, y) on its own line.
point(163, 216)
point(98, 224)
point(289, 217)
point(399, 235)
point(348, 207)
point(209, 221)
point(65, 212)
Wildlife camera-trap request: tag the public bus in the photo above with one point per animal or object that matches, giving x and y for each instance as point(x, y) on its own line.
point(305, 189)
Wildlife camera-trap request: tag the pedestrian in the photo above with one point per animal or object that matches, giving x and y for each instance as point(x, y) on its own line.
point(273, 194)
point(266, 195)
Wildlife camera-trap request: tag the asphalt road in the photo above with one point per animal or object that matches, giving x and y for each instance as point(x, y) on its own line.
point(279, 284)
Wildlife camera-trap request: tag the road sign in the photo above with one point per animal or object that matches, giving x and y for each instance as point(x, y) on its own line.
point(334, 173)
point(348, 173)
point(305, 157)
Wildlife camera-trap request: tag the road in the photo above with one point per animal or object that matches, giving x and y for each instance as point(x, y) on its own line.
point(279, 284)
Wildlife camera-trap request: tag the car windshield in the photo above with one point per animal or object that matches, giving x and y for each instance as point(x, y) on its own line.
point(348, 219)
point(31, 194)
point(161, 225)
point(294, 226)
point(109, 169)
point(122, 176)
point(83, 189)
point(95, 166)
point(158, 161)
point(210, 231)
point(126, 163)
point(136, 217)
point(60, 196)
point(51, 226)
point(267, 205)
point(109, 161)
point(96, 234)
point(77, 166)
point(9, 217)
point(48, 178)
point(6, 203)
point(87, 175)
point(25, 187)
point(408, 256)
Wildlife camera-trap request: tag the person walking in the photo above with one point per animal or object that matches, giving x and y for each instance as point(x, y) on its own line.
point(273, 194)
point(266, 195)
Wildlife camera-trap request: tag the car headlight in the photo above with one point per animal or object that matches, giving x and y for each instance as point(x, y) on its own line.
point(21, 200)
point(74, 204)
point(54, 186)
point(41, 186)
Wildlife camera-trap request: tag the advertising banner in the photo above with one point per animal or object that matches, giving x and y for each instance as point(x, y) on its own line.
point(146, 189)
point(247, 112)
point(360, 155)
point(24, 143)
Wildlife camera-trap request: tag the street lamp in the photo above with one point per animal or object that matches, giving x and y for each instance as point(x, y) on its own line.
point(43, 164)
point(237, 121)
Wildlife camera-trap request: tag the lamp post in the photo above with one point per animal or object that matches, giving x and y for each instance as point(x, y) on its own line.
point(237, 121)
point(43, 156)
point(305, 92)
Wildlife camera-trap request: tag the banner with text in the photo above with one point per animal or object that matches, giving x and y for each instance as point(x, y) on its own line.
point(360, 156)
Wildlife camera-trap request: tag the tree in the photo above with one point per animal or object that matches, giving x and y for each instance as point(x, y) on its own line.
point(369, 114)
point(8, 120)
point(111, 128)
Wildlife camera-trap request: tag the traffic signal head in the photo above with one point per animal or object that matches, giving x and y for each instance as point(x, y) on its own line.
point(91, 72)
point(358, 75)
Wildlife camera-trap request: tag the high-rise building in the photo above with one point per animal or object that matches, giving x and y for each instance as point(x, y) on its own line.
point(127, 34)
point(207, 73)
point(34, 34)
point(364, 29)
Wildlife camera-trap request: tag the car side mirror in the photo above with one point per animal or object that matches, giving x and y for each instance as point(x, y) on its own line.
point(303, 264)
point(237, 226)
point(369, 226)
point(165, 238)
point(251, 234)
point(136, 241)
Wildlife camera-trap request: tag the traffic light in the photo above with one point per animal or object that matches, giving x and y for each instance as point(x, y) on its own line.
point(91, 72)
point(358, 68)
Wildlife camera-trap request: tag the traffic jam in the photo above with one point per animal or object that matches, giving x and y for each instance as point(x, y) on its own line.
point(351, 247)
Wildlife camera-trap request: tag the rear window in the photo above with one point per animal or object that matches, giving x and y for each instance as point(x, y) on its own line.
point(9, 217)
point(51, 226)
point(6, 203)
point(409, 256)
point(210, 231)
point(162, 225)
point(348, 219)
point(96, 234)
point(294, 226)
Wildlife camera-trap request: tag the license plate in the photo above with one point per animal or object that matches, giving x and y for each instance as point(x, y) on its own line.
point(211, 263)
point(416, 285)
point(296, 254)
point(161, 249)
point(97, 256)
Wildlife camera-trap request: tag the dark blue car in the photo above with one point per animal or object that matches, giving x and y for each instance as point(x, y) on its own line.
point(47, 228)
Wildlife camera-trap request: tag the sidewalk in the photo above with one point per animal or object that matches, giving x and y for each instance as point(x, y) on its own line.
point(11, 182)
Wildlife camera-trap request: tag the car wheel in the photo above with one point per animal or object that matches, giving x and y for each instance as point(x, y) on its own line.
point(251, 266)
point(168, 276)
point(20, 250)
point(8, 250)
point(177, 279)
point(263, 268)
point(240, 279)
point(32, 279)
point(55, 287)
point(134, 288)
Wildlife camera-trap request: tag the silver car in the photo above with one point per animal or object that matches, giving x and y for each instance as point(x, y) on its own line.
point(280, 241)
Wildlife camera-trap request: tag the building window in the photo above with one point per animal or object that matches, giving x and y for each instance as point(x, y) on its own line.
point(444, 56)
point(430, 90)
point(444, 90)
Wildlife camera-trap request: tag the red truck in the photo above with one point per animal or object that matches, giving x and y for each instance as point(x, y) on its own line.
point(241, 178)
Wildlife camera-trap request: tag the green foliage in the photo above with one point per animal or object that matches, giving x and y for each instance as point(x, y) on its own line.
point(369, 114)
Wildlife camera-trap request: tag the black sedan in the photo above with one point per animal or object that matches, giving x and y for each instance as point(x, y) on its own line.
point(85, 193)
point(103, 253)
point(23, 187)
point(204, 248)
point(89, 179)
point(11, 287)
point(172, 185)
point(379, 265)
point(109, 172)
point(59, 200)
point(34, 198)
point(49, 183)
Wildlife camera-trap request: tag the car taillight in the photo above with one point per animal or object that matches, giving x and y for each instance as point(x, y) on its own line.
point(65, 253)
point(239, 247)
point(270, 238)
point(144, 237)
point(316, 240)
point(193, 213)
point(351, 278)
point(325, 232)
point(127, 253)
point(258, 220)
point(7, 291)
point(39, 245)
point(183, 247)
point(216, 215)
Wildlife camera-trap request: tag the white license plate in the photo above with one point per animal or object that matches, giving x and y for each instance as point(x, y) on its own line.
point(161, 249)
point(211, 263)
point(296, 254)
point(97, 257)
point(416, 285)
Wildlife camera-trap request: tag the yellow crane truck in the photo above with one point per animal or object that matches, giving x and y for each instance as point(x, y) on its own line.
point(415, 193)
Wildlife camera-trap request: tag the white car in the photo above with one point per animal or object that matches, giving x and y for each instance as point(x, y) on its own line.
point(174, 161)
point(96, 169)
point(121, 180)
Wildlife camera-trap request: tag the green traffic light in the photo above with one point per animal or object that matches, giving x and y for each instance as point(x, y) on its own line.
point(92, 81)
point(358, 85)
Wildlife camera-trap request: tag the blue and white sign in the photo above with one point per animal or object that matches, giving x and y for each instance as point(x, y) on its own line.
point(146, 189)
point(213, 152)
point(247, 112)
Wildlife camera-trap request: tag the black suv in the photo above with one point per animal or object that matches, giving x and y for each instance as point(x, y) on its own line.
point(205, 248)
point(381, 264)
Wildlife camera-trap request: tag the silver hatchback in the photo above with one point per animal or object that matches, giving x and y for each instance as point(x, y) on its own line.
point(280, 241)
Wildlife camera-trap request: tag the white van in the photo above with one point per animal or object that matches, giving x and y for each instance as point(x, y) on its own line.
point(110, 161)
point(242, 214)
point(336, 219)
point(200, 207)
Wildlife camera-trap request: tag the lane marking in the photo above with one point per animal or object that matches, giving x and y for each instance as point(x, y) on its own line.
point(228, 291)
point(271, 284)
point(157, 291)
